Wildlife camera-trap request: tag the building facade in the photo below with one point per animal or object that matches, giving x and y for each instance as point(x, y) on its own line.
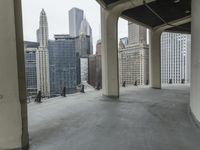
point(42, 56)
point(95, 70)
point(84, 69)
point(175, 58)
point(30, 68)
point(136, 34)
point(62, 61)
point(98, 47)
point(86, 29)
point(95, 67)
point(134, 64)
point(134, 57)
point(75, 19)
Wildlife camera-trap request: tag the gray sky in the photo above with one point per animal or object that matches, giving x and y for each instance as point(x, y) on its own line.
point(57, 13)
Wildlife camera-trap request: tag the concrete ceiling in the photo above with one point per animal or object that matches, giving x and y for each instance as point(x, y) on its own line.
point(184, 28)
point(108, 2)
point(158, 12)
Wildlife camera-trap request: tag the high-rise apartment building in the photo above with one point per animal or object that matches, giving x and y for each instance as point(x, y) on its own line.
point(134, 57)
point(42, 57)
point(175, 57)
point(62, 61)
point(75, 19)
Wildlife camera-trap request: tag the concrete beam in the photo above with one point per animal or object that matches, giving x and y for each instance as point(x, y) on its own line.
point(13, 106)
point(173, 23)
point(135, 21)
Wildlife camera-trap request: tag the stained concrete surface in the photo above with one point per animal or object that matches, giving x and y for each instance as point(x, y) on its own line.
point(141, 119)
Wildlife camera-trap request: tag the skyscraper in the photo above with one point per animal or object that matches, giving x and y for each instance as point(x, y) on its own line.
point(95, 69)
point(87, 30)
point(136, 34)
point(75, 19)
point(80, 29)
point(134, 57)
point(175, 57)
point(62, 60)
point(42, 58)
point(42, 33)
point(30, 68)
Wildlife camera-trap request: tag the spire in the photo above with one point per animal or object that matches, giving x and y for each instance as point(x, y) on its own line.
point(43, 12)
point(43, 30)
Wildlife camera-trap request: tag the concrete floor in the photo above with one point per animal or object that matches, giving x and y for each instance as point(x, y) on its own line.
point(142, 119)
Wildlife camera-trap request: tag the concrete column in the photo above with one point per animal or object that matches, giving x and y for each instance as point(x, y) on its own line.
point(155, 59)
point(13, 106)
point(195, 60)
point(110, 73)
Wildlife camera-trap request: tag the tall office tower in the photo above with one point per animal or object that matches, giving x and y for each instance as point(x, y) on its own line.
point(42, 58)
point(62, 60)
point(175, 57)
point(134, 57)
point(82, 54)
point(75, 19)
point(136, 34)
point(30, 68)
point(83, 47)
point(87, 30)
point(95, 68)
point(98, 47)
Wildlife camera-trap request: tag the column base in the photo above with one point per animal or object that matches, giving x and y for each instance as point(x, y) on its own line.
point(111, 96)
point(193, 117)
point(22, 148)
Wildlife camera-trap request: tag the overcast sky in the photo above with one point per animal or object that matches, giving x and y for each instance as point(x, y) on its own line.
point(57, 13)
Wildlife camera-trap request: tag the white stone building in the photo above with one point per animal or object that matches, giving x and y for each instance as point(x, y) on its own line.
point(42, 56)
point(175, 58)
point(134, 58)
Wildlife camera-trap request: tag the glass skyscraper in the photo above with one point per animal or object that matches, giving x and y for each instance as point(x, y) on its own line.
point(75, 19)
point(62, 64)
point(30, 68)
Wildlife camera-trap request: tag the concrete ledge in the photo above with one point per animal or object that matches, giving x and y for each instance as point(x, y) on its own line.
point(193, 118)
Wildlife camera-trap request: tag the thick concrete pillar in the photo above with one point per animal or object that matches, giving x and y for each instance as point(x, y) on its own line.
point(195, 60)
point(13, 106)
point(110, 73)
point(155, 59)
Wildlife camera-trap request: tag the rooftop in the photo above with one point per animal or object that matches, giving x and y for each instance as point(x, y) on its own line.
point(141, 119)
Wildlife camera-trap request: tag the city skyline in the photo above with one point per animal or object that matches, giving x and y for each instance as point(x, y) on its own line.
point(58, 17)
